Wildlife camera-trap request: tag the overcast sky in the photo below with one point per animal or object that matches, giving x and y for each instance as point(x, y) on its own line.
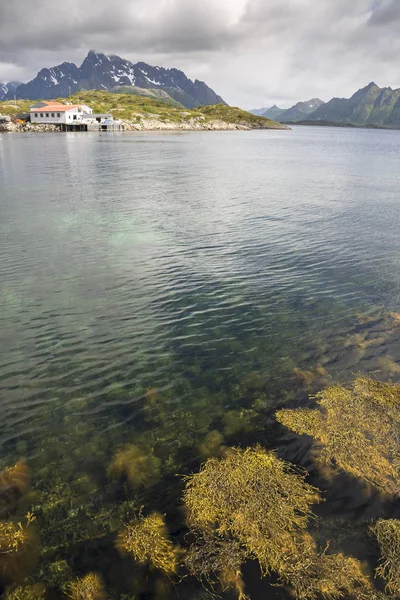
point(251, 52)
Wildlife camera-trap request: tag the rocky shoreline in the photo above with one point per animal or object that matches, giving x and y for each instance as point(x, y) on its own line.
point(145, 124)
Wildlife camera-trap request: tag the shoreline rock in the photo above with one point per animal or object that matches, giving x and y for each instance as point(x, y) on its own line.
point(25, 127)
point(147, 124)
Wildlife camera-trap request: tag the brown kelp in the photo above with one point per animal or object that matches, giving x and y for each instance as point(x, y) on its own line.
point(356, 428)
point(212, 444)
point(140, 468)
point(387, 532)
point(36, 591)
point(89, 587)
point(146, 540)
point(27, 592)
point(14, 483)
point(252, 505)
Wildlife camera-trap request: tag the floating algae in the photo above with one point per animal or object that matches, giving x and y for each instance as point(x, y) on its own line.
point(252, 505)
point(356, 430)
point(146, 539)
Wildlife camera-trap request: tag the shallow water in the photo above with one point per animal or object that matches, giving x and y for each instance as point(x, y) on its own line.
point(151, 283)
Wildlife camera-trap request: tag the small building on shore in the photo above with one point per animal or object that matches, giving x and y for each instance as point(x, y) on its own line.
point(72, 117)
point(56, 113)
point(102, 122)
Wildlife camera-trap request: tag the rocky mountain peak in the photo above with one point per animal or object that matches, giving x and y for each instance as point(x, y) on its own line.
point(102, 72)
point(8, 90)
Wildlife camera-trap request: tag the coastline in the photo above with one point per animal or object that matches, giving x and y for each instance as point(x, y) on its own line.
point(148, 125)
point(306, 123)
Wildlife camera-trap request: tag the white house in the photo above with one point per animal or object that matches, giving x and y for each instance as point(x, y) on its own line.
point(55, 113)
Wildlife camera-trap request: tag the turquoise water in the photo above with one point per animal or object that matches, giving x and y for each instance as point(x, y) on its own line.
point(156, 287)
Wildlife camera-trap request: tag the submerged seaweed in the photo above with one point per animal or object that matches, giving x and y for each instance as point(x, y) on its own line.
point(146, 539)
point(14, 483)
point(387, 532)
point(89, 587)
point(356, 429)
point(252, 505)
point(139, 468)
point(18, 549)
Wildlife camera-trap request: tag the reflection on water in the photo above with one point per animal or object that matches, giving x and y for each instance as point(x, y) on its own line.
point(160, 296)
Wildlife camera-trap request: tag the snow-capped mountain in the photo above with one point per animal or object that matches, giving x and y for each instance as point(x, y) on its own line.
point(102, 72)
point(8, 89)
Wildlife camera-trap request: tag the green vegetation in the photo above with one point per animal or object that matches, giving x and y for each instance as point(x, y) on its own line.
point(146, 539)
point(131, 107)
point(156, 94)
point(9, 107)
point(370, 105)
point(233, 114)
point(356, 430)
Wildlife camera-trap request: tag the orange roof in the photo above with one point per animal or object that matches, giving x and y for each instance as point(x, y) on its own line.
point(56, 108)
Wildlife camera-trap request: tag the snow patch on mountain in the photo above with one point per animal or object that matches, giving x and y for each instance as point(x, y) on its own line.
point(99, 71)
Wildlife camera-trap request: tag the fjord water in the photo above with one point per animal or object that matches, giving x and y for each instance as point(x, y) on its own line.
point(155, 287)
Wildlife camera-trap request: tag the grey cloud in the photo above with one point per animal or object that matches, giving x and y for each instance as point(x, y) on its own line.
point(385, 12)
point(250, 51)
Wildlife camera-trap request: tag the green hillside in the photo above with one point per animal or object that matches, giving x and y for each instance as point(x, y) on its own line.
point(155, 93)
point(134, 108)
point(370, 105)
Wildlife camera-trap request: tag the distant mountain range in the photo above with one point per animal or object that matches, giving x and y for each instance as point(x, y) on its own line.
point(369, 106)
point(102, 72)
point(298, 112)
point(8, 89)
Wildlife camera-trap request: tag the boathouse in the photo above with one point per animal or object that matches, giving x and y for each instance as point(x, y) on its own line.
point(72, 117)
point(56, 113)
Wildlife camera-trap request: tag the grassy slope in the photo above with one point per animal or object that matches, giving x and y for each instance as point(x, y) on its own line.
point(157, 94)
point(132, 107)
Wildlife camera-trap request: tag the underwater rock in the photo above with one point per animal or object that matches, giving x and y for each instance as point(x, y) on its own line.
point(146, 539)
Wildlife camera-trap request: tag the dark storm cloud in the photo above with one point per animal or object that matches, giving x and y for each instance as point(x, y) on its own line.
point(385, 12)
point(250, 51)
